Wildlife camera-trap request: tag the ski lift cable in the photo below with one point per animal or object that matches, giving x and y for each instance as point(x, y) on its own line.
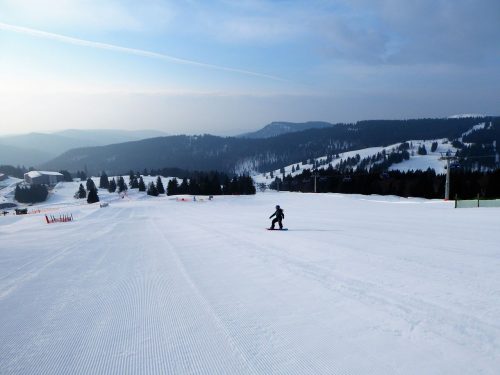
point(477, 157)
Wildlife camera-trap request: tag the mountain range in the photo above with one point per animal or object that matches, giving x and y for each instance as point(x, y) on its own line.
point(36, 148)
point(240, 154)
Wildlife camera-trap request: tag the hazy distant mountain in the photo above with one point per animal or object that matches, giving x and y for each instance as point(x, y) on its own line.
point(11, 155)
point(49, 144)
point(278, 128)
point(232, 154)
point(101, 137)
point(37, 148)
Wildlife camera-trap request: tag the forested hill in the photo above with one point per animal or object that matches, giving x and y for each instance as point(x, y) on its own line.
point(230, 154)
point(278, 128)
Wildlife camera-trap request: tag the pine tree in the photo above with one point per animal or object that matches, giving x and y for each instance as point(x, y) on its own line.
point(421, 150)
point(104, 181)
point(31, 194)
point(93, 196)
point(141, 185)
point(18, 194)
point(215, 188)
point(121, 185)
point(226, 185)
point(159, 186)
point(434, 146)
point(133, 183)
point(67, 176)
point(173, 187)
point(81, 193)
point(81, 175)
point(152, 190)
point(112, 185)
point(194, 187)
point(90, 184)
point(184, 187)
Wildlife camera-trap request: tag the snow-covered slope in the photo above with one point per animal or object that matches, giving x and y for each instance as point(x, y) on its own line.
point(467, 115)
point(416, 161)
point(7, 188)
point(63, 193)
point(423, 162)
point(358, 285)
point(473, 129)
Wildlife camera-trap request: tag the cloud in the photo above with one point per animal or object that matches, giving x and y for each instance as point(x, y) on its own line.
point(255, 23)
point(363, 31)
point(109, 15)
point(132, 51)
point(424, 31)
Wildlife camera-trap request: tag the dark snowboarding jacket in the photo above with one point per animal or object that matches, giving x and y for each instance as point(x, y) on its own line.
point(280, 215)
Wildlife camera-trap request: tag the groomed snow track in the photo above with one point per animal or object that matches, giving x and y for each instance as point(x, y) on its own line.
point(357, 286)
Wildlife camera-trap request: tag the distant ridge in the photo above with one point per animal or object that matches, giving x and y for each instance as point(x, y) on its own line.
point(279, 128)
point(35, 148)
point(101, 137)
point(250, 155)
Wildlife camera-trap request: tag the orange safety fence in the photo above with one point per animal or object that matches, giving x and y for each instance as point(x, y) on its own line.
point(61, 219)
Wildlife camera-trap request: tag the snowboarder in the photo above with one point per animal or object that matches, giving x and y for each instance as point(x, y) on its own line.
point(279, 217)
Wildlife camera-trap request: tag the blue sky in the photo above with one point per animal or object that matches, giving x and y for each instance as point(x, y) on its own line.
point(225, 67)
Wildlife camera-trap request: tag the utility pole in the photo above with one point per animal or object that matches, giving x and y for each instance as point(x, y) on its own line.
point(315, 175)
point(446, 156)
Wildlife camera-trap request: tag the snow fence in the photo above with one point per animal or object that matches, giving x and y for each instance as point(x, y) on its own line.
point(474, 203)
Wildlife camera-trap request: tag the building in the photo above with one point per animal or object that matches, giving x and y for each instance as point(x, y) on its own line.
point(43, 178)
point(3, 177)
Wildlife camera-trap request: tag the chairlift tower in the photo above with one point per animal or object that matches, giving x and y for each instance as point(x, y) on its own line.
point(448, 157)
point(315, 175)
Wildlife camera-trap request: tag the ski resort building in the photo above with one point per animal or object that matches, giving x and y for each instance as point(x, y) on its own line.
point(43, 177)
point(3, 177)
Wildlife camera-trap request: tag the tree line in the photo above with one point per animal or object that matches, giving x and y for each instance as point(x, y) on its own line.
point(212, 183)
point(199, 183)
point(425, 184)
point(31, 193)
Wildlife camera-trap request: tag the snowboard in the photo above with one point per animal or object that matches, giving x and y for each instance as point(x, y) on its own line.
point(277, 229)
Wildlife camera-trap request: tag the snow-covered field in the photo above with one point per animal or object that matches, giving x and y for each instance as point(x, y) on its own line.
point(358, 285)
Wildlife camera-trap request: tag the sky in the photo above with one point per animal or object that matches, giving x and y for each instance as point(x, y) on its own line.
point(227, 67)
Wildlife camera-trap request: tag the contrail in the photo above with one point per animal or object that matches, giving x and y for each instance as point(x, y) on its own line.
point(132, 51)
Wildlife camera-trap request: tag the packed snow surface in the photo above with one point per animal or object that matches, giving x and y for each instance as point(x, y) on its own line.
point(358, 285)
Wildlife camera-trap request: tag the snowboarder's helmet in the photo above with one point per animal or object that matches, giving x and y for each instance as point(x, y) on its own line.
point(277, 206)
